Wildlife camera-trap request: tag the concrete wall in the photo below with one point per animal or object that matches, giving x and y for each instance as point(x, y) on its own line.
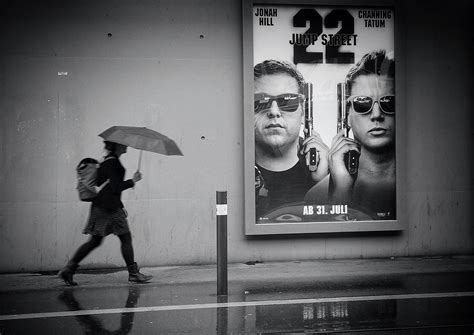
point(70, 70)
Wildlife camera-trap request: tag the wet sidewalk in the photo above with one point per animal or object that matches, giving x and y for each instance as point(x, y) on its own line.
point(248, 272)
point(408, 295)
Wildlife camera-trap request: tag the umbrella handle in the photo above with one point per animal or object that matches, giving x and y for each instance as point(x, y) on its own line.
point(139, 160)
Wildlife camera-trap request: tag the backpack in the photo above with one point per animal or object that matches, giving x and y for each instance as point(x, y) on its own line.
point(86, 172)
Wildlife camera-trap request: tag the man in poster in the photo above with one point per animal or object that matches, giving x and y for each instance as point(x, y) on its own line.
point(370, 99)
point(281, 156)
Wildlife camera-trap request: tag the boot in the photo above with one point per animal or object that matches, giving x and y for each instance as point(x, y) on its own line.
point(134, 274)
point(67, 272)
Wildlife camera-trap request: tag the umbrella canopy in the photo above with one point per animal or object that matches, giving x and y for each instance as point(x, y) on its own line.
point(141, 138)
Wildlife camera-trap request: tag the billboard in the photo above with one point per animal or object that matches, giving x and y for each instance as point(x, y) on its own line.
point(319, 117)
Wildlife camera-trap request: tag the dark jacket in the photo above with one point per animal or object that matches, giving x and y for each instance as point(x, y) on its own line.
point(110, 196)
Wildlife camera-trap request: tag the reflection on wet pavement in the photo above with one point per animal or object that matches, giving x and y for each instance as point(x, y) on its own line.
point(93, 324)
point(366, 315)
point(402, 304)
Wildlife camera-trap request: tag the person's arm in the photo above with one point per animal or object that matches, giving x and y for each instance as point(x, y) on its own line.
point(318, 194)
point(112, 172)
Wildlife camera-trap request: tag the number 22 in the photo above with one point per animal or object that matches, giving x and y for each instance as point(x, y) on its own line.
point(333, 55)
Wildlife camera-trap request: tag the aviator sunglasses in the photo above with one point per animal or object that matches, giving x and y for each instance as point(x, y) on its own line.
point(363, 104)
point(287, 102)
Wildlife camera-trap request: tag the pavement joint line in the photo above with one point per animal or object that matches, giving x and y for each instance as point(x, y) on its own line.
point(235, 304)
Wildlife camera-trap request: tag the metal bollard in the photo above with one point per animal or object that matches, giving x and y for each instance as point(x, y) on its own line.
point(221, 217)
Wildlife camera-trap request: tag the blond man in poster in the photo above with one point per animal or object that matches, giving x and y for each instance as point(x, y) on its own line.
point(371, 117)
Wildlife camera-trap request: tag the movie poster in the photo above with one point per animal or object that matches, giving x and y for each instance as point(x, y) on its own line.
point(324, 114)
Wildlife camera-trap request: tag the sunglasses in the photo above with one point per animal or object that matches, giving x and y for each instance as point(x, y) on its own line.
point(287, 102)
point(363, 104)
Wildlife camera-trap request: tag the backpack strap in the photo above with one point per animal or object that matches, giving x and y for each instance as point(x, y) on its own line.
point(107, 158)
point(100, 187)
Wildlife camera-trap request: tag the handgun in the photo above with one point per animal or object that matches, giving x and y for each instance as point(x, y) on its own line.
point(351, 159)
point(308, 125)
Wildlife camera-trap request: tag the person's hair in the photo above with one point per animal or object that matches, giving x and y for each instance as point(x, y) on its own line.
point(271, 66)
point(376, 62)
point(110, 146)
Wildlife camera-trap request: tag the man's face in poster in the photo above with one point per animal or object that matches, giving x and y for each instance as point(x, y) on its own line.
point(375, 129)
point(275, 129)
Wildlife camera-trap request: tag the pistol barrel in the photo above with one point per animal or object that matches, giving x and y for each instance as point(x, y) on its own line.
point(308, 108)
point(341, 109)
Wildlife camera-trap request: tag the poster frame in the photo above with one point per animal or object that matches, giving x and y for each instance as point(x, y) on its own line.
point(251, 227)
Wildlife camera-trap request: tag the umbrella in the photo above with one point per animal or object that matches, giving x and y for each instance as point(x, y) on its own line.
point(141, 138)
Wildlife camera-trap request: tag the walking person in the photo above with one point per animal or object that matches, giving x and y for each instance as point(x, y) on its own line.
point(108, 216)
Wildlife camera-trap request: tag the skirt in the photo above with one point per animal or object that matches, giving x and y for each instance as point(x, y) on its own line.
point(103, 222)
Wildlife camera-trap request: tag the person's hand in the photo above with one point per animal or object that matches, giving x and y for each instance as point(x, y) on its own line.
point(315, 141)
point(137, 176)
point(341, 183)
